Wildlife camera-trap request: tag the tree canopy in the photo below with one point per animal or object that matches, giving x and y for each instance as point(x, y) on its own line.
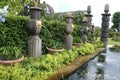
point(14, 6)
point(116, 20)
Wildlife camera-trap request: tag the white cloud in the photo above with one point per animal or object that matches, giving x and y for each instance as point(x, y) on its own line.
point(96, 5)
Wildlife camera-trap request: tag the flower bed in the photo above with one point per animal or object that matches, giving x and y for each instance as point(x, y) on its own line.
point(42, 68)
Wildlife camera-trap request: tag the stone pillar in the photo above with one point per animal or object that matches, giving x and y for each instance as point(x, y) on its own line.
point(105, 25)
point(84, 30)
point(69, 29)
point(84, 24)
point(92, 31)
point(89, 16)
point(34, 43)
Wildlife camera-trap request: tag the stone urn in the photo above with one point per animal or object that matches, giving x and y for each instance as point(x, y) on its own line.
point(35, 12)
point(34, 26)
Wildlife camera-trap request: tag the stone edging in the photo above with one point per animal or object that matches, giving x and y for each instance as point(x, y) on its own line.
point(73, 66)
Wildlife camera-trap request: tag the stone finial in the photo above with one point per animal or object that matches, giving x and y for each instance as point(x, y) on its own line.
point(89, 9)
point(106, 9)
point(44, 2)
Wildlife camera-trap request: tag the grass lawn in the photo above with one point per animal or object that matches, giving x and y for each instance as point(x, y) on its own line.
point(111, 42)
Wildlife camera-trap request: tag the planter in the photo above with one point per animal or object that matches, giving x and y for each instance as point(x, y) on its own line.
point(77, 44)
point(92, 42)
point(11, 62)
point(50, 50)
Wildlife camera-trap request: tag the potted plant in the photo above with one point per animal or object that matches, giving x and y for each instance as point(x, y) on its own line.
point(77, 42)
point(55, 47)
point(10, 55)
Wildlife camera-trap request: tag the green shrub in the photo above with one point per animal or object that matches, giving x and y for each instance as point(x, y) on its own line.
point(10, 52)
point(87, 48)
point(77, 34)
point(116, 38)
point(98, 44)
point(43, 67)
point(14, 32)
point(114, 35)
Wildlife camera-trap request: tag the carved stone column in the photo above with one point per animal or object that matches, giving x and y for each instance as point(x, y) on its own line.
point(105, 25)
point(34, 43)
point(84, 30)
point(89, 16)
point(84, 24)
point(92, 31)
point(69, 29)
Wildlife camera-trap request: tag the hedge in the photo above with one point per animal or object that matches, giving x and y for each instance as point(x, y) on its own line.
point(14, 32)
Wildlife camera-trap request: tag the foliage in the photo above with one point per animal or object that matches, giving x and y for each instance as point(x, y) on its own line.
point(77, 17)
point(77, 34)
point(14, 32)
point(112, 42)
point(114, 35)
point(15, 6)
point(87, 48)
point(55, 45)
point(98, 44)
point(116, 20)
point(52, 33)
point(10, 52)
point(43, 67)
point(97, 32)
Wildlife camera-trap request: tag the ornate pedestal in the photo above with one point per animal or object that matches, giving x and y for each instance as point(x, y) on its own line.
point(69, 29)
point(34, 43)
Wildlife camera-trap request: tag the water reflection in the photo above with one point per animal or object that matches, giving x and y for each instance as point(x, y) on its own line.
point(100, 66)
point(100, 74)
point(104, 67)
point(101, 58)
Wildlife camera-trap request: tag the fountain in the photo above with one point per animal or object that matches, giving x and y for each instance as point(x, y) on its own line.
point(108, 68)
point(34, 43)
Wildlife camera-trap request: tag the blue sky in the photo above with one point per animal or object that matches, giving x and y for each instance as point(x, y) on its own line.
point(97, 7)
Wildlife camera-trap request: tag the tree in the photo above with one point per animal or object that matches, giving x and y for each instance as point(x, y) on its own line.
point(15, 6)
point(116, 20)
point(97, 32)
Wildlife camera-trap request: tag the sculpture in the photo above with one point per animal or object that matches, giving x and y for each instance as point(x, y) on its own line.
point(84, 30)
point(35, 3)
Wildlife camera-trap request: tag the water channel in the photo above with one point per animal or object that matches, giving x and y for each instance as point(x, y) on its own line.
point(106, 66)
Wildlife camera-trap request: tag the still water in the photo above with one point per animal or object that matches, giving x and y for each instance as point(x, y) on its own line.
point(105, 66)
